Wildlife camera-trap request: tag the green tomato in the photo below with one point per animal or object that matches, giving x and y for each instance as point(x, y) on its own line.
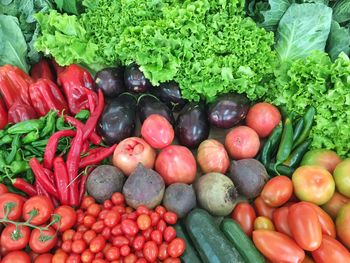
point(342, 177)
point(325, 158)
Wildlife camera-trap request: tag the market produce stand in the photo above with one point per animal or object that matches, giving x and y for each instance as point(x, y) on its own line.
point(174, 131)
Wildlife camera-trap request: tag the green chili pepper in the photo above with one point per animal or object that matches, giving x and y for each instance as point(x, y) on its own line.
point(297, 155)
point(26, 126)
point(297, 129)
point(18, 156)
point(50, 124)
point(14, 148)
point(2, 161)
point(62, 125)
point(2, 133)
point(83, 115)
point(271, 144)
point(40, 143)
point(33, 150)
point(274, 169)
point(17, 167)
point(286, 143)
point(29, 177)
point(30, 137)
point(15, 190)
point(7, 139)
point(308, 121)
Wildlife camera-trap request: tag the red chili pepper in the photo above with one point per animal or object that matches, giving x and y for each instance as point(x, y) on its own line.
point(14, 84)
point(61, 180)
point(46, 96)
point(19, 112)
point(74, 80)
point(3, 114)
point(95, 115)
point(41, 177)
point(94, 137)
point(95, 156)
point(86, 147)
point(41, 190)
point(73, 159)
point(24, 186)
point(42, 69)
point(91, 99)
point(82, 187)
point(51, 146)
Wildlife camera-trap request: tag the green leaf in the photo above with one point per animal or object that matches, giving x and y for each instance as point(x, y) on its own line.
point(68, 6)
point(303, 28)
point(275, 13)
point(341, 11)
point(13, 47)
point(338, 41)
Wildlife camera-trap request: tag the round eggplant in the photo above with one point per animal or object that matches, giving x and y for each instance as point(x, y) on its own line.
point(110, 81)
point(228, 110)
point(170, 94)
point(148, 105)
point(118, 119)
point(135, 80)
point(192, 125)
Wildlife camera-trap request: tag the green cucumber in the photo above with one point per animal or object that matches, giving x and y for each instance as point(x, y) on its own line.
point(210, 242)
point(241, 241)
point(190, 255)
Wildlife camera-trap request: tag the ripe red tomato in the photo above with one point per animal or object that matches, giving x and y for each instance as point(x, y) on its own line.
point(277, 191)
point(42, 205)
point(42, 245)
point(163, 253)
point(176, 164)
point(334, 204)
point(150, 251)
point(138, 242)
point(97, 244)
point(343, 225)
point(87, 256)
point(44, 258)
point(170, 218)
point(157, 131)
point(330, 250)
point(3, 189)
point(16, 257)
point(244, 215)
point(277, 247)
point(68, 217)
point(59, 257)
point(262, 208)
point(118, 198)
point(176, 247)
point(112, 218)
point(78, 246)
point(263, 222)
point(157, 236)
point(87, 201)
point(132, 151)
point(280, 220)
point(263, 118)
point(129, 227)
point(15, 202)
point(169, 234)
point(305, 226)
point(242, 142)
point(15, 240)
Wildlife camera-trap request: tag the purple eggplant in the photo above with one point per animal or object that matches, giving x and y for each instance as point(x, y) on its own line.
point(110, 81)
point(170, 94)
point(135, 80)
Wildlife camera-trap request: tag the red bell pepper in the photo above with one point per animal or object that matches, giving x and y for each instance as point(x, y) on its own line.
point(46, 96)
point(42, 69)
point(21, 112)
point(74, 80)
point(14, 84)
point(3, 114)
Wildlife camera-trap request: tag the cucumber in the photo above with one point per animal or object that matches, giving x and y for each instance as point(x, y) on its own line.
point(241, 241)
point(210, 242)
point(190, 255)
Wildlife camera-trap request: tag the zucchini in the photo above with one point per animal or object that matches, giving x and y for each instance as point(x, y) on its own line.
point(190, 255)
point(241, 241)
point(210, 242)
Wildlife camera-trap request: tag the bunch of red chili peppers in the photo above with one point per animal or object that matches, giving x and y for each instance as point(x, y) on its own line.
point(60, 179)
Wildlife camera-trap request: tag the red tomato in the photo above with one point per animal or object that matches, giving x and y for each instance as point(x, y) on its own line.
point(330, 250)
point(87, 256)
point(212, 157)
point(313, 184)
point(97, 244)
point(3, 189)
point(78, 246)
point(87, 201)
point(125, 250)
point(68, 235)
point(244, 215)
point(163, 253)
point(142, 209)
point(334, 204)
point(118, 198)
point(129, 227)
point(263, 118)
point(170, 218)
point(112, 218)
point(15, 202)
point(68, 217)
point(262, 208)
point(343, 225)
point(157, 236)
point(176, 247)
point(157, 131)
point(44, 258)
point(59, 257)
point(150, 251)
point(242, 142)
point(16, 257)
point(42, 246)
point(262, 222)
point(138, 242)
point(280, 220)
point(42, 205)
point(131, 258)
point(15, 240)
point(277, 191)
point(277, 247)
point(169, 234)
point(132, 151)
point(176, 164)
point(305, 226)
point(143, 222)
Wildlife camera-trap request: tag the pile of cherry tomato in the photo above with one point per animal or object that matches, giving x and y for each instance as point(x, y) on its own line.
point(113, 232)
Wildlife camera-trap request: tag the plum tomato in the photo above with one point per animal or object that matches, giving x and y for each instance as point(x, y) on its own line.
point(280, 220)
point(42, 207)
point(334, 204)
point(330, 250)
point(14, 239)
point(277, 191)
point(262, 208)
point(244, 215)
point(42, 242)
point(12, 201)
point(68, 218)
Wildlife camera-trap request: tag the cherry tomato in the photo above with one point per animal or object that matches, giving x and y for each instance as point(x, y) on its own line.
point(42, 205)
point(117, 230)
point(73, 258)
point(131, 258)
point(107, 204)
point(78, 246)
point(169, 234)
point(155, 217)
point(244, 215)
point(163, 251)
point(77, 236)
point(16, 257)
point(277, 247)
point(150, 251)
point(143, 221)
point(120, 241)
point(161, 225)
point(68, 217)
point(125, 250)
point(94, 210)
point(280, 220)
point(262, 208)
point(120, 209)
point(67, 246)
point(16, 203)
point(142, 209)
point(132, 216)
point(97, 244)
point(176, 247)
point(343, 225)
point(160, 210)
point(12, 240)
point(59, 257)
point(129, 227)
point(147, 233)
point(106, 233)
point(157, 236)
point(99, 260)
point(98, 226)
point(44, 258)
point(87, 201)
point(42, 246)
point(68, 234)
point(277, 191)
point(3, 189)
point(138, 242)
point(263, 222)
point(87, 256)
point(330, 250)
point(170, 218)
point(89, 220)
point(112, 218)
point(172, 260)
point(334, 204)
point(305, 226)
point(118, 198)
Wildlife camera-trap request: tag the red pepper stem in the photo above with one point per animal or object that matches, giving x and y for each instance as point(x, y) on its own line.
point(95, 156)
point(25, 187)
